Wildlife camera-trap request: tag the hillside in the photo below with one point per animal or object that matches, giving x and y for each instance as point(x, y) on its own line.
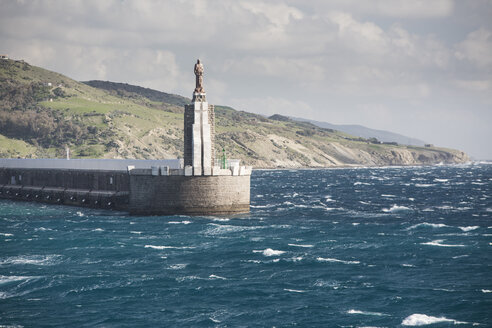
point(365, 132)
point(41, 112)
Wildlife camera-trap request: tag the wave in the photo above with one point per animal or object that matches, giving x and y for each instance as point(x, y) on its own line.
point(213, 276)
point(323, 259)
point(31, 260)
point(426, 224)
point(357, 183)
point(469, 228)
point(178, 266)
point(8, 279)
point(168, 247)
point(418, 319)
point(220, 219)
point(396, 208)
point(270, 252)
point(262, 206)
point(439, 243)
point(294, 290)
point(299, 245)
point(379, 314)
point(219, 229)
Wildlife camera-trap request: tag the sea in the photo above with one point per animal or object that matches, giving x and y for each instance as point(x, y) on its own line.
point(349, 247)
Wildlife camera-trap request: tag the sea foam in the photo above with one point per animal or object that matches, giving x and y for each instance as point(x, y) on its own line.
point(469, 228)
point(440, 244)
point(396, 208)
point(324, 259)
point(168, 247)
point(270, 252)
point(379, 314)
point(418, 319)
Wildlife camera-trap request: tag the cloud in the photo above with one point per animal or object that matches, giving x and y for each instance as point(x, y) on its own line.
point(416, 9)
point(271, 105)
point(366, 62)
point(477, 48)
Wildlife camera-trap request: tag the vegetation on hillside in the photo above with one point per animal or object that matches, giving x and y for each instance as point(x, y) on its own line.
point(41, 112)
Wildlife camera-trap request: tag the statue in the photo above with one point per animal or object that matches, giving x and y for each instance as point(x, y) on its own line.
point(199, 77)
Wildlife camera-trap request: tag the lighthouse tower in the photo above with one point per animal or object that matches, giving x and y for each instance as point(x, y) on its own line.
point(199, 129)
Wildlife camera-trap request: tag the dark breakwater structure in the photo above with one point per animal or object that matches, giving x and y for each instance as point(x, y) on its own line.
point(197, 184)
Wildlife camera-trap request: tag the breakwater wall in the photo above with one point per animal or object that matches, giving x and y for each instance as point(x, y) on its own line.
point(158, 190)
point(88, 188)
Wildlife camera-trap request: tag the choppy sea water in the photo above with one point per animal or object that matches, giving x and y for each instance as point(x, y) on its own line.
point(369, 247)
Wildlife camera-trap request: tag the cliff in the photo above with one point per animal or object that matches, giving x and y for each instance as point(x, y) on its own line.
point(41, 112)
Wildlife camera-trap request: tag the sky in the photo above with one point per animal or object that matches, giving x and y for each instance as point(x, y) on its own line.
point(422, 68)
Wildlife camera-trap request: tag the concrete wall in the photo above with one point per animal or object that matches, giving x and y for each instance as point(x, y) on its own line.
point(88, 164)
point(137, 191)
point(88, 188)
point(213, 195)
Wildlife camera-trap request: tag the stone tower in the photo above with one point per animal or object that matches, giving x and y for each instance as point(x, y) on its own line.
point(199, 129)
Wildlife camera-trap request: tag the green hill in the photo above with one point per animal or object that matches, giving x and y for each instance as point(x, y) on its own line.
point(41, 112)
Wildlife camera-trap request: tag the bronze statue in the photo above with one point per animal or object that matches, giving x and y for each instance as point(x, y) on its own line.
point(199, 77)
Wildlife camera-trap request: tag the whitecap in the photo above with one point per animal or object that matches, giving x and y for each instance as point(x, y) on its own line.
point(136, 232)
point(31, 259)
point(262, 206)
point(441, 180)
point(221, 219)
point(379, 314)
point(323, 259)
point(178, 266)
point(299, 245)
point(486, 291)
point(396, 208)
point(168, 247)
point(219, 229)
point(43, 229)
point(469, 228)
point(426, 224)
point(80, 214)
point(423, 185)
point(269, 252)
point(418, 319)
point(388, 196)
point(179, 222)
point(7, 279)
point(6, 234)
point(294, 290)
point(362, 183)
point(439, 243)
point(408, 265)
point(213, 276)
point(98, 229)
